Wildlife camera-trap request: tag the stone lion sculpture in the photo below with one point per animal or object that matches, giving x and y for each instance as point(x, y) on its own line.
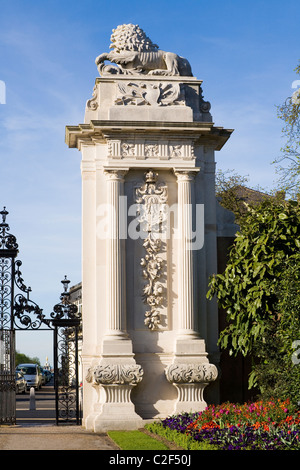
point(134, 53)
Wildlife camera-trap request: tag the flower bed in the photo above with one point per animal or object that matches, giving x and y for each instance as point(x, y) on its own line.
point(273, 425)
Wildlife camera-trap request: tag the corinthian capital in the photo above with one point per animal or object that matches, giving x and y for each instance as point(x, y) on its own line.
point(186, 174)
point(116, 174)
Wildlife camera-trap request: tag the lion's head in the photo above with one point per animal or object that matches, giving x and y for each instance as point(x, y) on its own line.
point(130, 37)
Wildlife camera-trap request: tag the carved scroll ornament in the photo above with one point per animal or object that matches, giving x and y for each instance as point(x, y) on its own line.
point(118, 374)
point(191, 373)
point(92, 103)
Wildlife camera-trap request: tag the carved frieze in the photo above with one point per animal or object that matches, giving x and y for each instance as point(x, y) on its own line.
point(127, 150)
point(150, 149)
point(151, 198)
point(149, 94)
point(176, 150)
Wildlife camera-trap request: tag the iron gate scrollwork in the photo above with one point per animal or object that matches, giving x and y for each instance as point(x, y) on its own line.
point(7, 377)
point(19, 312)
point(67, 324)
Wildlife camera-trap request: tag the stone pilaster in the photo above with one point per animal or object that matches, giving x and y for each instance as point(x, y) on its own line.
point(186, 302)
point(115, 281)
point(117, 373)
point(190, 371)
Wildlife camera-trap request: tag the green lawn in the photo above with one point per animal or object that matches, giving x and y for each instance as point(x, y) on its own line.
point(138, 440)
point(135, 440)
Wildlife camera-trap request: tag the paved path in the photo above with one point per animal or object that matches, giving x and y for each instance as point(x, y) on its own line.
point(47, 437)
point(36, 429)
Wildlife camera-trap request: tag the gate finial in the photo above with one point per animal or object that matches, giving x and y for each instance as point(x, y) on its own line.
point(65, 283)
point(4, 213)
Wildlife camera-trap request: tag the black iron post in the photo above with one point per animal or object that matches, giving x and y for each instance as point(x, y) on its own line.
point(66, 321)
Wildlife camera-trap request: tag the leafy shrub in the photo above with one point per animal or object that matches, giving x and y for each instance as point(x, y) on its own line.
point(278, 372)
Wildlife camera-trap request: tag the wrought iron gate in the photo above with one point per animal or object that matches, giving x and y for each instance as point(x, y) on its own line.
point(66, 325)
point(7, 377)
point(19, 312)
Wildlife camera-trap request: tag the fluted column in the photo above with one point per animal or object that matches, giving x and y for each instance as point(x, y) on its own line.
point(117, 373)
point(186, 286)
point(115, 319)
point(190, 371)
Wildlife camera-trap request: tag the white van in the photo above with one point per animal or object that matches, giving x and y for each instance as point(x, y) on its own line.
point(32, 375)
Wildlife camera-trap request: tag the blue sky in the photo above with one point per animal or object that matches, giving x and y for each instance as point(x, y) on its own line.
point(245, 53)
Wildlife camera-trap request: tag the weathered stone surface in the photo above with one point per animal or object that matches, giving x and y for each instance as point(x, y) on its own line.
point(135, 54)
point(148, 145)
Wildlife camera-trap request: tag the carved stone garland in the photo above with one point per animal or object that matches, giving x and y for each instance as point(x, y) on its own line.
point(151, 198)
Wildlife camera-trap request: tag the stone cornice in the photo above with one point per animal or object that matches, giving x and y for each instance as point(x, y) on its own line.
point(97, 131)
point(152, 78)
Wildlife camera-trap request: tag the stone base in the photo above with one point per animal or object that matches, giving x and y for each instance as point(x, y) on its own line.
point(113, 379)
point(190, 398)
point(190, 372)
point(190, 380)
point(117, 413)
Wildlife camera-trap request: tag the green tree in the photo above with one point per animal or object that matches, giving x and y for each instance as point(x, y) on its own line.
point(228, 185)
point(24, 359)
point(233, 193)
point(248, 288)
point(288, 164)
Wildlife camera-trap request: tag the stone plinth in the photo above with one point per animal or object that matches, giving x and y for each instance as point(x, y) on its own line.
point(149, 246)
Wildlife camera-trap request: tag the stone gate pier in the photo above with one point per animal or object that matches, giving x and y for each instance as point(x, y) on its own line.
point(148, 236)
